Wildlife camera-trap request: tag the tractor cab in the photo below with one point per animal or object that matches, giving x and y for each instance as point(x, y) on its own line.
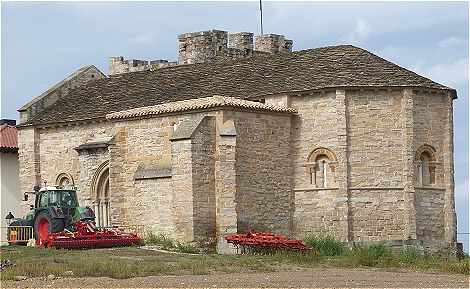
point(58, 201)
point(56, 197)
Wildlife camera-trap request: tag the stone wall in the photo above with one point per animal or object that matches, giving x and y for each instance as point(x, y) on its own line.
point(375, 138)
point(154, 203)
point(203, 145)
point(435, 202)
point(273, 43)
point(377, 214)
point(89, 162)
point(430, 120)
point(58, 155)
point(429, 214)
point(28, 159)
point(317, 210)
point(367, 131)
point(119, 65)
point(263, 169)
point(376, 147)
point(140, 156)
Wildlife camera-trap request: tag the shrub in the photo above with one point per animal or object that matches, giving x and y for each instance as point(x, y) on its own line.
point(410, 255)
point(186, 248)
point(168, 244)
point(326, 245)
point(461, 267)
point(373, 255)
point(159, 239)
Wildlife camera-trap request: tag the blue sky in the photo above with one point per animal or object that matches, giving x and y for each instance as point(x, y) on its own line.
point(44, 42)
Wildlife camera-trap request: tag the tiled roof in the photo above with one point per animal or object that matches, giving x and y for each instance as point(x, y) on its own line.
point(327, 67)
point(197, 103)
point(8, 137)
point(64, 81)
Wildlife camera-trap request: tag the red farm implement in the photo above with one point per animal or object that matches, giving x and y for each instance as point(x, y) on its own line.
point(264, 243)
point(87, 235)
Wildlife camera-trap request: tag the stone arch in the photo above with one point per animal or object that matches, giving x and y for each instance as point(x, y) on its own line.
point(321, 151)
point(64, 180)
point(100, 193)
point(321, 167)
point(425, 159)
point(426, 149)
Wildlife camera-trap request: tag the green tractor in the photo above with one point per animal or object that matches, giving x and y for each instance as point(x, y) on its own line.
point(55, 209)
point(58, 221)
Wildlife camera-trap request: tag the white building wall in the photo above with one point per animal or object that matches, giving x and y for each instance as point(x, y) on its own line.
point(10, 189)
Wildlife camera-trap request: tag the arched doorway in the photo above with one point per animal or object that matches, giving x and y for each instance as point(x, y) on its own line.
point(100, 192)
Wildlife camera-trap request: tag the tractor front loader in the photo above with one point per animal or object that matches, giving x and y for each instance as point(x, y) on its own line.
point(58, 221)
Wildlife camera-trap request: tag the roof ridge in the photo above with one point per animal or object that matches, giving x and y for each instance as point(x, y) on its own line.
point(75, 73)
point(229, 61)
point(196, 103)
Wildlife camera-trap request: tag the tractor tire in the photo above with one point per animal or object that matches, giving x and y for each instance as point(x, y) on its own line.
point(44, 225)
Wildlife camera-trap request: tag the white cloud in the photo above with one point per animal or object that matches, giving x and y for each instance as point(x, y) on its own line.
point(454, 74)
point(450, 42)
point(361, 31)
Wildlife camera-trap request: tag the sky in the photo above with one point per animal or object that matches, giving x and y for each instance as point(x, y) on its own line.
point(43, 42)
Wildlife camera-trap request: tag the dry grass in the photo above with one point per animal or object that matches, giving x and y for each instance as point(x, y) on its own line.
point(120, 263)
point(134, 262)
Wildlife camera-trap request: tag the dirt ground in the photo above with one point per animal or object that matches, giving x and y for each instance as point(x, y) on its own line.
point(302, 277)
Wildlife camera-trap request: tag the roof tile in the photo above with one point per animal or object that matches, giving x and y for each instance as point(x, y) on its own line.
point(327, 67)
point(8, 137)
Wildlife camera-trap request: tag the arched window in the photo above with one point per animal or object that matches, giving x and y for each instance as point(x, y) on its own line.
point(100, 191)
point(425, 162)
point(321, 167)
point(64, 180)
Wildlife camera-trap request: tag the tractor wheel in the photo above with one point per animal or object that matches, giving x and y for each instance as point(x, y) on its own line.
point(44, 225)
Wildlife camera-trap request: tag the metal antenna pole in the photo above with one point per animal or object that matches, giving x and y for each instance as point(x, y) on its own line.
point(261, 13)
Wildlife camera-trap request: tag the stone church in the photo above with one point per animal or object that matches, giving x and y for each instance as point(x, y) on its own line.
point(242, 133)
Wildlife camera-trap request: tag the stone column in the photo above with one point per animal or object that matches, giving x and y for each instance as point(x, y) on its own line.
point(119, 185)
point(409, 151)
point(450, 222)
point(225, 187)
point(29, 163)
point(343, 204)
point(182, 184)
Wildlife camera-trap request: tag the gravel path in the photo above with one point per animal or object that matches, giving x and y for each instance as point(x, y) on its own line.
point(318, 277)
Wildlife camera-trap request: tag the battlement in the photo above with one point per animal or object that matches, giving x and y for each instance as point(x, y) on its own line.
point(205, 46)
point(119, 65)
point(273, 43)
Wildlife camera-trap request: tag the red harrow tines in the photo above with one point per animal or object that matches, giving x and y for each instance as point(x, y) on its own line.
point(264, 243)
point(87, 235)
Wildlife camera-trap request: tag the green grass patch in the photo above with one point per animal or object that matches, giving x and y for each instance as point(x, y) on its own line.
point(326, 245)
point(166, 243)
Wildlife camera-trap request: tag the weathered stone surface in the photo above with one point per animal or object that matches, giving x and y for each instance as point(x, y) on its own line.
point(331, 141)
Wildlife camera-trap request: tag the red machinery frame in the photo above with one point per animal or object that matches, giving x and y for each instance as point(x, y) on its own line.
point(264, 242)
point(87, 235)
